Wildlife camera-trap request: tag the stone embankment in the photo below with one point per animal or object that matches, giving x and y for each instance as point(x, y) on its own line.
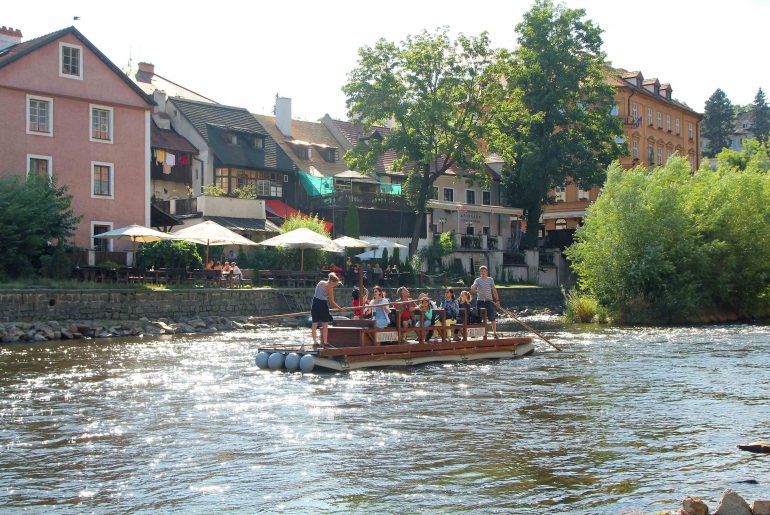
point(42, 315)
point(730, 504)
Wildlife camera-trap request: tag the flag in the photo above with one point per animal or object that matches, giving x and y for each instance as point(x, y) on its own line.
point(638, 123)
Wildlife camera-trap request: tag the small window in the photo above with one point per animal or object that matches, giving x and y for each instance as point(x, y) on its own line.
point(101, 244)
point(649, 116)
point(70, 61)
point(470, 197)
point(660, 155)
point(689, 130)
point(651, 154)
point(259, 143)
point(635, 149)
point(561, 224)
point(449, 195)
point(101, 124)
point(231, 138)
point(303, 151)
point(39, 115)
point(584, 194)
point(332, 155)
point(560, 193)
point(634, 111)
point(486, 198)
point(677, 127)
point(485, 230)
point(434, 193)
point(660, 120)
point(102, 180)
point(614, 111)
point(39, 165)
point(668, 122)
point(285, 178)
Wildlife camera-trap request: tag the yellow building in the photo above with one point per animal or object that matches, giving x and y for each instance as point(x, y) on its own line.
point(655, 127)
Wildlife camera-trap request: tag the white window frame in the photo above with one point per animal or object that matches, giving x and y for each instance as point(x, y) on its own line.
point(668, 122)
point(467, 192)
point(649, 116)
point(482, 197)
point(560, 222)
point(583, 194)
point(635, 149)
point(79, 76)
point(109, 109)
point(634, 111)
point(443, 194)
point(42, 158)
point(660, 120)
point(110, 241)
point(112, 180)
point(677, 127)
point(560, 192)
point(660, 155)
point(50, 115)
point(689, 130)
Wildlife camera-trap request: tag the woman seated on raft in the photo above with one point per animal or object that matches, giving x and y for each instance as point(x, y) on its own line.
point(381, 313)
point(426, 308)
point(322, 298)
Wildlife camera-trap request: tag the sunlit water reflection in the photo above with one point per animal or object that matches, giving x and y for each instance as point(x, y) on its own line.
point(622, 419)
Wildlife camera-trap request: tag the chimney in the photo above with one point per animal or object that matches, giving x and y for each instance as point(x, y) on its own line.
point(9, 37)
point(148, 68)
point(283, 115)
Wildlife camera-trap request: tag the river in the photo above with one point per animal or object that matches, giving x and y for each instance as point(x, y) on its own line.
point(622, 419)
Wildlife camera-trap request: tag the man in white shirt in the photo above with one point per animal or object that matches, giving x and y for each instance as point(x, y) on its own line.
point(487, 296)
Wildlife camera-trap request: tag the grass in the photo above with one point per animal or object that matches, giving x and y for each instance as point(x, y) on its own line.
point(39, 283)
point(582, 308)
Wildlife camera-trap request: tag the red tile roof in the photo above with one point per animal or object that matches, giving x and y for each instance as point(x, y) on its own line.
point(170, 140)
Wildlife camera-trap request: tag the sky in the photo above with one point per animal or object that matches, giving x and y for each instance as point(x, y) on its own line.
point(245, 52)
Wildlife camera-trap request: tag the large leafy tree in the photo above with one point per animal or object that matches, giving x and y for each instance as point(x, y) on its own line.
point(717, 123)
point(552, 122)
point(36, 217)
point(428, 88)
point(760, 116)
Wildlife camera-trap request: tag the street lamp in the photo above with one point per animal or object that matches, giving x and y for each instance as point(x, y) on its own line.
point(442, 221)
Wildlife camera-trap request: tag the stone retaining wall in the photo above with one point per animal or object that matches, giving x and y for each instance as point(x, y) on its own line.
point(41, 305)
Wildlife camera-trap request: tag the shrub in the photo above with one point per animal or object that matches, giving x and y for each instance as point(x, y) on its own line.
point(580, 308)
point(35, 216)
point(169, 254)
point(57, 265)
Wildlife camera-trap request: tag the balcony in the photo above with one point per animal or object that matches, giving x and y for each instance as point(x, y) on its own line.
point(342, 199)
point(478, 242)
point(186, 206)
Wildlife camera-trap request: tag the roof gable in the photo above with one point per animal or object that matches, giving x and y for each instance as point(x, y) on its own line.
point(17, 52)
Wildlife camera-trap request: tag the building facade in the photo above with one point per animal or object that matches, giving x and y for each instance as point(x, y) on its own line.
point(69, 112)
point(655, 127)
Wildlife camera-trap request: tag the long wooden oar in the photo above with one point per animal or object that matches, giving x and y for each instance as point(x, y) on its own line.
point(510, 314)
point(305, 313)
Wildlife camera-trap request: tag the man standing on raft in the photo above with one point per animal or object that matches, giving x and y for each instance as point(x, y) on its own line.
point(323, 296)
point(487, 296)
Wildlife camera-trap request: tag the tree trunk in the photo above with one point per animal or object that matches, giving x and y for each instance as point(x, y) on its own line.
point(422, 201)
point(533, 226)
point(416, 234)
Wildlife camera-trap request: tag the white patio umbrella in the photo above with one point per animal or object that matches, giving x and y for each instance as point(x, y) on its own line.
point(211, 233)
point(382, 243)
point(351, 243)
point(370, 254)
point(136, 234)
point(302, 238)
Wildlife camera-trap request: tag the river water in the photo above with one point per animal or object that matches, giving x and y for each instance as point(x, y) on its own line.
point(622, 419)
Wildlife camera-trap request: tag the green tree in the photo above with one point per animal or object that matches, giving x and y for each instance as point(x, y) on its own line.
point(662, 246)
point(429, 90)
point(289, 259)
point(717, 123)
point(552, 120)
point(169, 254)
point(36, 217)
point(753, 156)
point(760, 117)
point(352, 225)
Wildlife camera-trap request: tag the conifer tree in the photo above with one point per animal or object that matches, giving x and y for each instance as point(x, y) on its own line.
point(717, 123)
point(760, 117)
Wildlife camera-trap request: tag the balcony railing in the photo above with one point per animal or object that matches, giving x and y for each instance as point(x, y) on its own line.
point(470, 241)
point(163, 205)
point(365, 200)
point(186, 206)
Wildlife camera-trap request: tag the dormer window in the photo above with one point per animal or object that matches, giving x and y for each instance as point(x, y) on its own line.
point(232, 138)
point(70, 61)
point(259, 143)
point(332, 155)
point(303, 151)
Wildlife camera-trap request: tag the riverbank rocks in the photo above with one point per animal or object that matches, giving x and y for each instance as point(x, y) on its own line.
point(758, 447)
point(732, 504)
point(693, 506)
point(760, 507)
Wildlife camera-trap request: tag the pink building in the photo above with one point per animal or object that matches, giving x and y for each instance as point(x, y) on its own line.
point(68, 111)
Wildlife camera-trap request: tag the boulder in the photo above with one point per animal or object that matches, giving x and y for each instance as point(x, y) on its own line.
point(39, 338)
point(732, 504)
point(77, 336)
point(103, 334)
point(693, 506)
point(66, 335)
point(9, 339)
point(163, 326)
point(760, 507)
point(186, 328)
point(198, 324)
